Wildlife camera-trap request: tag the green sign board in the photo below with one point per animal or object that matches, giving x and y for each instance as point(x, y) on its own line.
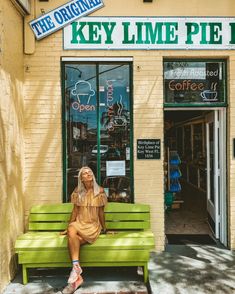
point(151, 33)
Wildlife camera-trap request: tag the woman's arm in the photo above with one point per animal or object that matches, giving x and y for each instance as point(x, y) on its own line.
point(74, 198)
point(74, 211)
point(102, 218)
point(72, 218)
point(74, 214)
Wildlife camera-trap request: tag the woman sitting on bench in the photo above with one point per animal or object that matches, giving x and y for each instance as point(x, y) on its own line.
point(86, 222)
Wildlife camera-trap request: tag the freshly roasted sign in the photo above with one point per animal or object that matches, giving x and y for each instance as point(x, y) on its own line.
point(150, 33)
point(63, 15)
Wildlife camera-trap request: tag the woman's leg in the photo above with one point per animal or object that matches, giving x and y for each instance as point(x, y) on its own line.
point(74, 243)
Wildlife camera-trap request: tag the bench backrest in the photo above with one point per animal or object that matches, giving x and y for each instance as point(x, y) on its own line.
point(118, 216)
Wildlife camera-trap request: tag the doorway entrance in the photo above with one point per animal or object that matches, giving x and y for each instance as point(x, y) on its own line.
point(195, 172)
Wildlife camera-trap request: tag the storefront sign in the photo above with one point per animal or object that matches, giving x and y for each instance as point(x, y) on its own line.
point(191, 81)
point(83, 92)
point(63, 15)
point(150, 33)
point(148, 149)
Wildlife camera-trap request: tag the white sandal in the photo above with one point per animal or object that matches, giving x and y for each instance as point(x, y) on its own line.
point(71, 288)
point(74, 274)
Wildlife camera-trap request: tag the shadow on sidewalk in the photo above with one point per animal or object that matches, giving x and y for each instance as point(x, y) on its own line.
point(96, 280)
point(194, 269)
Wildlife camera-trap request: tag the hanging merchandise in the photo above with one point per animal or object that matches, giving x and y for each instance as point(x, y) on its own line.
point(175, 172)
point(175, 186)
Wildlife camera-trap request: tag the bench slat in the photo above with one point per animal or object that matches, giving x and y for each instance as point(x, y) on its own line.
point(86, 264)
point(47, 226)
point(59, 226)
point(52, 208)
point(111, 207)
point(134, 216)
point(88, 256)
point(50, 235)
point(112, 242)
point(126, 207)
point(40, 217)
point(128, 225)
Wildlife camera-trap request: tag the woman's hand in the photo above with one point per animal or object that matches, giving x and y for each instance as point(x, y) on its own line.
point(111, 232)
point(64, 232)
point(103, 231)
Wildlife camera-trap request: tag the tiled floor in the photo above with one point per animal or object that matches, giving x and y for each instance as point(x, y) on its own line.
point(191, 217)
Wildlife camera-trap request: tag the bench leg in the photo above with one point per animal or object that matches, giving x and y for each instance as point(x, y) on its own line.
point(24, 271)
point(146, 273)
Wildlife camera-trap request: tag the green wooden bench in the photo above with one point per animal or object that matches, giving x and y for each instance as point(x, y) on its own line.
point(42, 246)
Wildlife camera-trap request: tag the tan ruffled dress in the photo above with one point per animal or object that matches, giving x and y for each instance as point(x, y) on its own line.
point(87, 221)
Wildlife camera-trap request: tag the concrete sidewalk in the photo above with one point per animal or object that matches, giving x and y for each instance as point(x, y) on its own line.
point(193, 269)
point(96, 280)
point(186, 269)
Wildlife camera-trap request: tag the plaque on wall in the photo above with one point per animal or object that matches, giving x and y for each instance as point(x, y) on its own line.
point(148, 149)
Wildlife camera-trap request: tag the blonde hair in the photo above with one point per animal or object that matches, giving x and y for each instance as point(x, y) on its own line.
point(81, 188)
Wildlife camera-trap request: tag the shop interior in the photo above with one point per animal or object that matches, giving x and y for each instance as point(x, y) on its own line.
point(185, 172)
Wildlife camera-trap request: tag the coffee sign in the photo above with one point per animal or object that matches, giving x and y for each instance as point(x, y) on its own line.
point(197, 82)
point(150, 33)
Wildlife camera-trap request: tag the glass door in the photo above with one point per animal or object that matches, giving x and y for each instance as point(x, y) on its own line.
point(216, 173)
point(97, 126)
point(115, 132)
point(212, 193)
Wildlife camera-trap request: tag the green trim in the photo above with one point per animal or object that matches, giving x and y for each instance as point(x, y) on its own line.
point(195, 59)
point(64, 135)
point(98, 163)
point(198, 105)
point(131, 132)
point(226, 82)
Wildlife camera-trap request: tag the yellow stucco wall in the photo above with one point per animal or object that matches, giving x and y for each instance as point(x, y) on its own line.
point(43, 164)
point(43, 141)
point(11, 136)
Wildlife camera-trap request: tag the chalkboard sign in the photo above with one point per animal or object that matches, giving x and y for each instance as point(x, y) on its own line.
point(148, 149)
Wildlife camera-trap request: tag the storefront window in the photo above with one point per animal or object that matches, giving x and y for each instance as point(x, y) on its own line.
point(97, 126)
point(194, 82)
